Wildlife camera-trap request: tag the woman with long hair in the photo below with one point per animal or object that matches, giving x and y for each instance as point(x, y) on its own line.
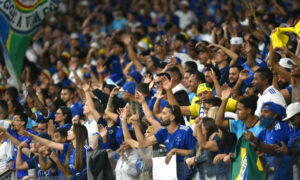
point(74, 152)
point(63, 117)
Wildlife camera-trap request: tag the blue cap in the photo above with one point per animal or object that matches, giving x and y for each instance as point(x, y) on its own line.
point(275, 108)
point(129, 87)
point(136, 76)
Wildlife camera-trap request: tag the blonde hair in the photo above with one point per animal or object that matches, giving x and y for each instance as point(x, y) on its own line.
point(212, 112)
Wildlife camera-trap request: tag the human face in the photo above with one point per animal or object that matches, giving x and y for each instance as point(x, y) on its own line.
point(295, 120)
point(185, 80)
point(233, 75)
point(18, 123)
point(42, 127)
point(220, 56)
point(266, 113)
point(241, 111)
point(203, 57)
point(71, 135)
point(192, 83)
point(149, 64)
point(249, 91)
point(257, 82)
point(59, 116)
point(165, 117)
point(66, 95)
point(295, 71)
point(57, 138)
point(203, 96)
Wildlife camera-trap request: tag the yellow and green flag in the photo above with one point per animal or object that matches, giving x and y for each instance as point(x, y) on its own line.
point(19, 21)
point(246, 164)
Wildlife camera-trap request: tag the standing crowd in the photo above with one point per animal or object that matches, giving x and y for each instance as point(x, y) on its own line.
point(203, 78)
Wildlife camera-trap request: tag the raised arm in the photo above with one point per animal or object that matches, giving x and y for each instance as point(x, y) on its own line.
point(132, 55)
point(89, 101)
point(109, 108)
point(203, 143)
point(220, 115)
point(149, 116)
point(45, 142)
point(236, 91)
point(142, 141)
point(20, 164)
point(166, 84)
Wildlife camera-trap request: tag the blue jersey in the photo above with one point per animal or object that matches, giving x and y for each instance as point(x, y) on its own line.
point(72, 158)
point(20, 173)
point(237, 127)
point(281, 163)
point(182, 138)
point(33, 163)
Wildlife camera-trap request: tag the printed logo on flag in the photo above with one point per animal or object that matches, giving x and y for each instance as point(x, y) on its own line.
point(25, 16)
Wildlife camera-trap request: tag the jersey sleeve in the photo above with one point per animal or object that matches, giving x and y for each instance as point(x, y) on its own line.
point(194, 108)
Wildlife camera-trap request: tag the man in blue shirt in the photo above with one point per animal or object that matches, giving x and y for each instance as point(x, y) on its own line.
point(293, 146)
point(245, 111)
point(277, 166)
point(178, 139)
point(67, 94)
point(13, 134)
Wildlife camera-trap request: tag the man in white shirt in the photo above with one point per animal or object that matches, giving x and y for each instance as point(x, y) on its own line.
point(262, 83)
point(186, 16)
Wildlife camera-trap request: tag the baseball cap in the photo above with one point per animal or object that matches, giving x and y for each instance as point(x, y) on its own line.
point(275, 108)
point(287, 63)
point(203, 87)
point(292, 110)
point(136, 76)
point(128, 87)
point(236, 41)
point(47, 73)
point(186, 3)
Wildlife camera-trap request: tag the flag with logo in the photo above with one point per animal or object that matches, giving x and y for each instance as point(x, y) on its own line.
point(19, 21)
point(246, 164)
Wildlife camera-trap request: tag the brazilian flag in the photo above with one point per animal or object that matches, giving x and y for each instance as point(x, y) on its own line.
point(246, 164)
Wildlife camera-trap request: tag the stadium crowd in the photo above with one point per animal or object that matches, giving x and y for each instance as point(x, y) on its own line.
point(197, 76)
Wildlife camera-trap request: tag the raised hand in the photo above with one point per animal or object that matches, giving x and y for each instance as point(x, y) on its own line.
point(135, 119)
point(23, 144)
point(166, 83)
point(115, 91)
point(213, 75)
point(139, 97)
point(198, 122)
point(126, 39)
point(123, 114)
point(54, 156)
point(244, 75)
point(102, 130)
point(226, 91)
point(85, 87)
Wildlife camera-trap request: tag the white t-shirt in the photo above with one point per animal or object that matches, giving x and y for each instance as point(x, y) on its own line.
point(270, 94)
point(92, 129)
point(185, 19)
point(6, 154)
